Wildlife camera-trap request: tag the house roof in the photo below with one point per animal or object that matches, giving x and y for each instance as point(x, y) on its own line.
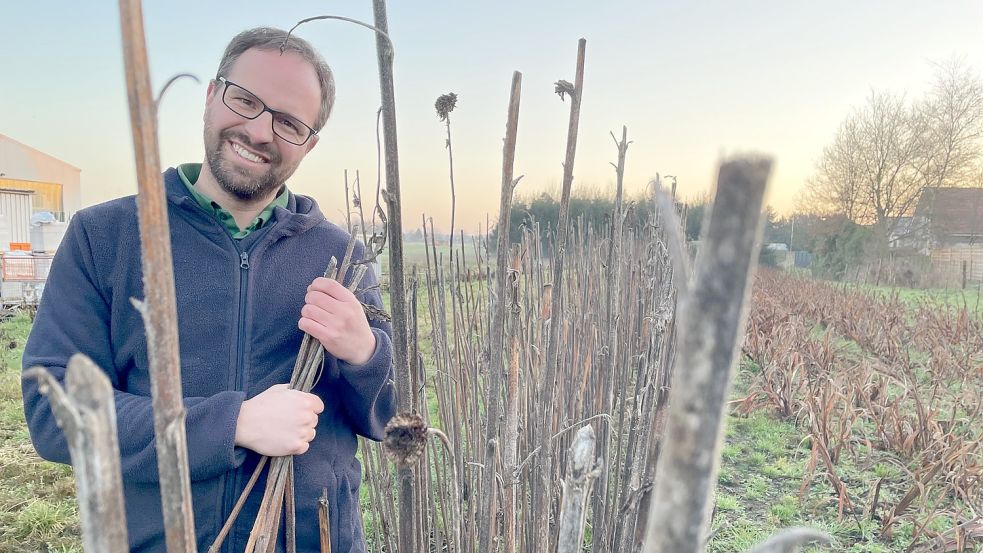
point(35, 151)
point(952, 211)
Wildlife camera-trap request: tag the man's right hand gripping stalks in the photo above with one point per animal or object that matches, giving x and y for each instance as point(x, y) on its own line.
point(278, 421)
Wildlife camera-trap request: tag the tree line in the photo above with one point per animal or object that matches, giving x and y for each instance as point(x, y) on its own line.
point(883, 155)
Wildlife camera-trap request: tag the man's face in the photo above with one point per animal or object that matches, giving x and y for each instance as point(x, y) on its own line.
point(247, 159)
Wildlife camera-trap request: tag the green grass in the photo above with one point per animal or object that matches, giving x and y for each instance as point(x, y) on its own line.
point(971, 298)
point(764, 463)
point(37, 498)
point(415, 253)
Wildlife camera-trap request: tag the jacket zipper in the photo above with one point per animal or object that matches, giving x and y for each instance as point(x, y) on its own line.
point(231, 481)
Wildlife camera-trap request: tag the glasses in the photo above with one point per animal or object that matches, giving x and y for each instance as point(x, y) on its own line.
point(248, 105)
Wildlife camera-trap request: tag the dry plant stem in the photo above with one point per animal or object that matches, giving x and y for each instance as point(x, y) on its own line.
point(348, 203)
point(613, 317)
point(496, 346)
point(324, 522)
point(380, 33)
point(86, 413)
point(547, 383)
point(393, 201)
point(418, 381)
point(346, 261)
point(397, 284)
point(675, 239)
point(167, 85)
point(361, 203)
point(581, 473)
point(711, 325)
point(224, 532)
point(511, 437)
point(290, 506)
point(455, 498)
point(160, 310)
point(450, 167)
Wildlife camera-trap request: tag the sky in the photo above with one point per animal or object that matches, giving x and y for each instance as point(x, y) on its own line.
point(694, 82)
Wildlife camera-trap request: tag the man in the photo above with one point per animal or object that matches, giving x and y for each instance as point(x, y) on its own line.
point(248, 256)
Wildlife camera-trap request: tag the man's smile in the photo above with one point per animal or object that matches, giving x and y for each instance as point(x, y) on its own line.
point(247, 154)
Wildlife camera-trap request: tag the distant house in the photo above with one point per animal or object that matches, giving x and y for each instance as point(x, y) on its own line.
point(949, 225)
point(904, 234)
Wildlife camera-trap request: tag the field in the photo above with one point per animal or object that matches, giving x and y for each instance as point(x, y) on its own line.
point(37, 498)
point(879, 397)
point(854, 411)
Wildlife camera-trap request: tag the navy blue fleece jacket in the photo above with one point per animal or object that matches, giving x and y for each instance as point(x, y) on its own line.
point(238, 305)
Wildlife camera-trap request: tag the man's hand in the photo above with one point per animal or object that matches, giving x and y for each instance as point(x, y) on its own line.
point(279, 421)
point(334, 316)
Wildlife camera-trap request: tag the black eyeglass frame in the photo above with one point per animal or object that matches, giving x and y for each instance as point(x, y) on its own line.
point(274, 113)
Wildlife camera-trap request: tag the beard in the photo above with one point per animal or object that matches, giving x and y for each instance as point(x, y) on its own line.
point(235, 179)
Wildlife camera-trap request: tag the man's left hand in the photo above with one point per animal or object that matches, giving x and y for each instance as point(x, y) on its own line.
point(334, 316)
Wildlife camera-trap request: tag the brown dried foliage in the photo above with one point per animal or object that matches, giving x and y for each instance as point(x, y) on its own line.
point(857, 368)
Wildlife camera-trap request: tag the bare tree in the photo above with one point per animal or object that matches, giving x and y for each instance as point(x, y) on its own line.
point(836, 186)
point(886, 152)
point(952, 124)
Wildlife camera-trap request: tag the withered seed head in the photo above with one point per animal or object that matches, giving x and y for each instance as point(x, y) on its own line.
point(406, 438)
point(563, 88)
point(445, 105)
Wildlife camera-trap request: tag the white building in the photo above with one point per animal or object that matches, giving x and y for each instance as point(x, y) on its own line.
point(56, 184)
point(31, 182)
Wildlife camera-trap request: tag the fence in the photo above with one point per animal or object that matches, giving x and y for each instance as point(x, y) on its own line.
point(24, 268)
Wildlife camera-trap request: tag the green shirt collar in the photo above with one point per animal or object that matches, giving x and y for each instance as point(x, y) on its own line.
point(189, 173)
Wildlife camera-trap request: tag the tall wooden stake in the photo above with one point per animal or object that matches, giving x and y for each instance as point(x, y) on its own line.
point(496, 346)
point(547, 384)
point(613, 313)
point(711, 324)
point(397, 286)
point(159, 309)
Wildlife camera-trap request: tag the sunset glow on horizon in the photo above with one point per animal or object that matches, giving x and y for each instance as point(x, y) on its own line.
point(693, 82)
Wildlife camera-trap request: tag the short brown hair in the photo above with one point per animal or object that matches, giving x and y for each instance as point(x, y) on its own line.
point(269, 38)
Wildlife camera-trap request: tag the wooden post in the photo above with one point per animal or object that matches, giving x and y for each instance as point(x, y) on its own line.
point(547, 383)
point(581, 473)
point(159, 309)
point(613, 318)
point(513, 399)
point(710, 330)
point(86, 413)
point(496, 367)
point(397, 286)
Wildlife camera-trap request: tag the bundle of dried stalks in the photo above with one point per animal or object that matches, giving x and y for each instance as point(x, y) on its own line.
point(278, 495)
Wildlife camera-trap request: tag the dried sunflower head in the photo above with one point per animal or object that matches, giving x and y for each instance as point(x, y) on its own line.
point(445, 105)
point(563, 88)
point(406, 438)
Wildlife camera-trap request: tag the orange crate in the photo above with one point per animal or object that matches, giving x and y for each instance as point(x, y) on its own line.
point(20, 246)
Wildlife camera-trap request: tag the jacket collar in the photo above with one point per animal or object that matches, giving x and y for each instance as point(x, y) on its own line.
point(300, 215)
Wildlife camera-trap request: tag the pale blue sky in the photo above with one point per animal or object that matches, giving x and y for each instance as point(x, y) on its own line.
point(691, 80)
